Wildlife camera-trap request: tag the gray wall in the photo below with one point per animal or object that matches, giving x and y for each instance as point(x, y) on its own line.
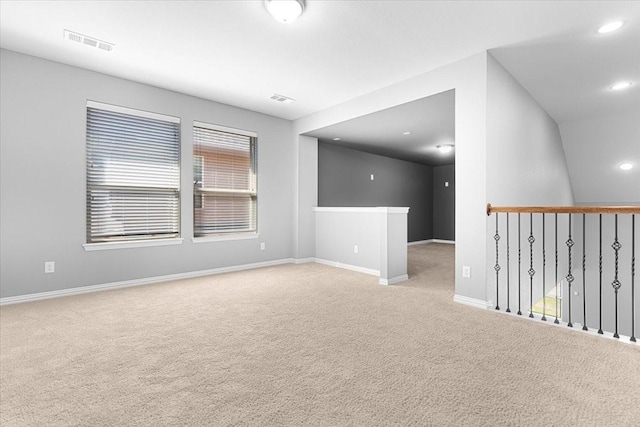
point(444, 202)
point(344, 179)
point(42, 180)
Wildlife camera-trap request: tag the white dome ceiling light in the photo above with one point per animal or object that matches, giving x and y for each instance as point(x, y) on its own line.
point(285, 11)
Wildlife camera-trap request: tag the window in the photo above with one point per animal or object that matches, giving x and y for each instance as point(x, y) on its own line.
point(133, 174)
point(224, 180)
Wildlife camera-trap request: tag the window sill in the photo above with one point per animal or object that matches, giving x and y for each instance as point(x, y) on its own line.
point(128, 245)
point(223, 238)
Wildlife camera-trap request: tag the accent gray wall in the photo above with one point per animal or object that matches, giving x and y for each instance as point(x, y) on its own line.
point(42, 185)
point(344, 179)
point(444, 202)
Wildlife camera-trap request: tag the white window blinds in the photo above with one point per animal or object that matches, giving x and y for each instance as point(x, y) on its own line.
point(225, 194)
point(133, 174)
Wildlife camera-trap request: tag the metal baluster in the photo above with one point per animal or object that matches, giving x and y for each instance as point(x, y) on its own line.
point(519, 267)
point(531, 270)
point(496, 237)
point(544, 273)
point(584, 279)
point(570, 276)
point(633, 273)
point(508, 275)
point(600, 268)
point(556, 277)
point(616, 283)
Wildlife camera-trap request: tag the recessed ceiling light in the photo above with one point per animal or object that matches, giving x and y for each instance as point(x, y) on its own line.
point(406, 133)
point(285, 11)
point(611, 26)
point(336, 139)
point(620, 85)
point(626, 166)
point(445, 148)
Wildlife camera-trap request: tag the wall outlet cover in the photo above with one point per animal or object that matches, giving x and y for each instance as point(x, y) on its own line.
point(466, 271)
point(49, 266)
point(355, 249)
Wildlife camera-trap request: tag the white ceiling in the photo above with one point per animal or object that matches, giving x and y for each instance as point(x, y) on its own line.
point(234, 52)
point(430, 121)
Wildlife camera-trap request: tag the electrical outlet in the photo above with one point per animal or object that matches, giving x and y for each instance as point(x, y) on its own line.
point(446, 183)
point(466, 271)
point(355, 249)
point(262, 246)
point(49, 266)
point(371, 177)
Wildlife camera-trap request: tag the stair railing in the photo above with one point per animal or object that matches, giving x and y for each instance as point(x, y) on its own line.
point(620, 274)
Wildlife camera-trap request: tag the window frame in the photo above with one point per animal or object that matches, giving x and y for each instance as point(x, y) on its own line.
point(93, 243)
point(253, 159)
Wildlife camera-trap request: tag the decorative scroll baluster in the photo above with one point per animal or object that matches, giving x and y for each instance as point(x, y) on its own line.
point(508, 275)
point(544, 272)
point(616, 283)
point(569, 275)
point(556, 277)
point(519, 267)
point(559, 289)
point(600, 268)
point(496, 237)
point(584, 275)
point(531, 270)
point(633, 273)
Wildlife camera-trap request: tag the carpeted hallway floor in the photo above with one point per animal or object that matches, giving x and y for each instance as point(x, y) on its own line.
point(297, 345)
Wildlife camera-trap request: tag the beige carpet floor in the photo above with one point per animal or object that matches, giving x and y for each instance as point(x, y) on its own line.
point(305, 345)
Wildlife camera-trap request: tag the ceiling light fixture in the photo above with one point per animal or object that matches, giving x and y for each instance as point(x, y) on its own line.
point(445, 148)
point(406, 133)
point(610, 27)
point(336, 139)
point(285, 11)
point(626, 166)
point(620, 85)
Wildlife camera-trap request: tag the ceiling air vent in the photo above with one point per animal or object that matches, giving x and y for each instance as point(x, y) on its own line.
point(283, 99)
point(89, 41)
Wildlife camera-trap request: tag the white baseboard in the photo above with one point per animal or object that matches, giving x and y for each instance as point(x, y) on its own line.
point(448, 242)
point(473, 302)
point(303, 260)
point(577, 327)
point(139, 282)
point(424, 242)
point(348, 267)
point(393, 280)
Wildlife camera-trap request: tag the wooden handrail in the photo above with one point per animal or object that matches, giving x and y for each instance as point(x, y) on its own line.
point(565, 209)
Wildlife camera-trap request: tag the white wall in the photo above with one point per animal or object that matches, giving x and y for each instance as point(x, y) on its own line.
point(368, 239)
point(525, 167)
point(306, 196)
point(468, 78)
point(525, 159)
point(595, 147)
point(42, 212)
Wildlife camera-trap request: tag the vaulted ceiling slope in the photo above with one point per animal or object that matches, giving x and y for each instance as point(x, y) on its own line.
point(234, 52)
